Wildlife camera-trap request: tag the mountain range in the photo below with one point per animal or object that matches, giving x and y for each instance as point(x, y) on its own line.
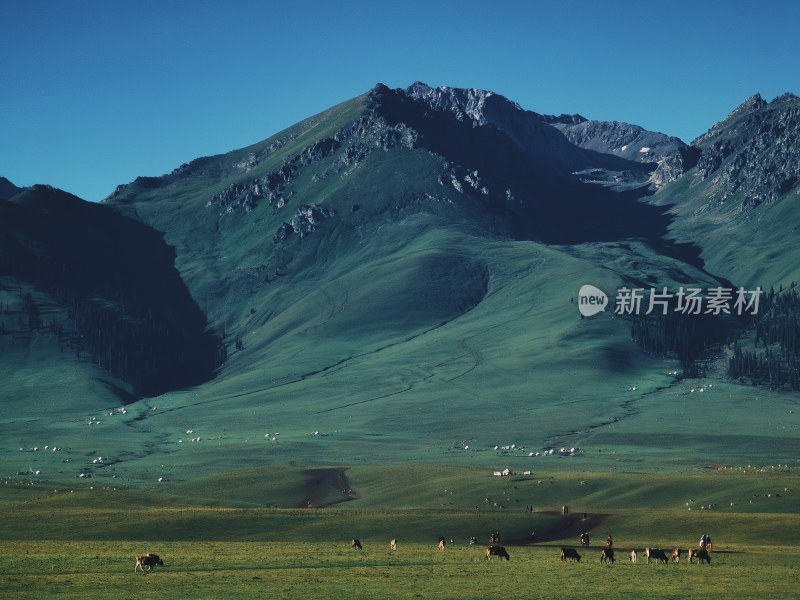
point(399, 271)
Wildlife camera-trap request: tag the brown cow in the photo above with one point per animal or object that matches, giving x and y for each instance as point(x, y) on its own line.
point(498, 551)
point(147, 562)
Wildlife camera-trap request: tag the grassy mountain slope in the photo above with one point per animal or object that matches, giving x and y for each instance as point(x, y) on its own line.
point(396, 285)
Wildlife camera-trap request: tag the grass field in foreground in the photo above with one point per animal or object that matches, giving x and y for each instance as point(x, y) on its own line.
point(82, 543)
point(90, 570)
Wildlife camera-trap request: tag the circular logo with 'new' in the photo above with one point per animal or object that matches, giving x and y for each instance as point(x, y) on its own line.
point(591, 300)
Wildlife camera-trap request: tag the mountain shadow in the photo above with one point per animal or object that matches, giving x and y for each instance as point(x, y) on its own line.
point(131, 310)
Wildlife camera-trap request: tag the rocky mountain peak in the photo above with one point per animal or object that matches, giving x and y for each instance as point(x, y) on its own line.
point(464, 103)
point(753, 103)
point(754, 154)
point(614, 154)
point(787, 97)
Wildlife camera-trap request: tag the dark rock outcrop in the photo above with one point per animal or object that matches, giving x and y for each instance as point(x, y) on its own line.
point(665, 157)
point(753, 154)
point(305, 221)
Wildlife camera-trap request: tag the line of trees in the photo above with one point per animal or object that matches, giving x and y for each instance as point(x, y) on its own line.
point(774, 358)
point(763, 349)
point(140, 345)
point(687, 337)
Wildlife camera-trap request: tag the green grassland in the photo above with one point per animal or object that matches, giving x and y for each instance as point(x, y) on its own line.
point(82, 543)
point(325, 570)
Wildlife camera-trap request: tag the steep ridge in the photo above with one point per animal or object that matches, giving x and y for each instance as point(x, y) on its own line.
point(8, 189)
point(532, 132)
point(740, 198)
point(542, 201)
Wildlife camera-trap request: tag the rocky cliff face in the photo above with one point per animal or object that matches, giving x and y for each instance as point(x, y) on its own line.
point(666, 157)
point(753, 154)
point(504, 156)
point(534, 133)
point(351, 144)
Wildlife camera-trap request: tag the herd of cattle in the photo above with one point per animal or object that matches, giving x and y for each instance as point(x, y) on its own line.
point(149, 561)
point(607, 555)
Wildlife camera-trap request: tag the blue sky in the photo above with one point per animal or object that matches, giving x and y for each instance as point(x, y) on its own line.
point(95, 93)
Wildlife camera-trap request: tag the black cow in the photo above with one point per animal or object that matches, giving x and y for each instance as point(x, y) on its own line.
point(607, 555)
point(145, 563)
point(702, 555)
point(356, 544)
point(655, 554)
point(498, 551)
point(570, 553)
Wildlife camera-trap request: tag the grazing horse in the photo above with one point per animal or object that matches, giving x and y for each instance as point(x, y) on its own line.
point(145, 563)
point(607, 555)
point(498, 551)
point(356, 544)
